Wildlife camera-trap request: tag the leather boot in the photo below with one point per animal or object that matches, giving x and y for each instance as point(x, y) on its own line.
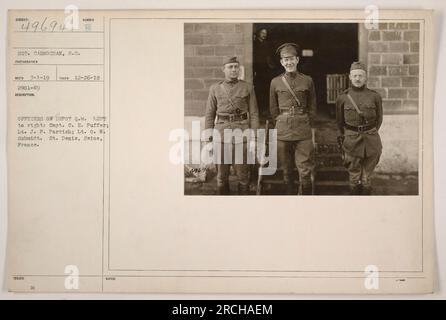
point(307, 188)
point(243, 189)
point(290, 189)
point(356, 189)
point(366, 190)
point(223, 190)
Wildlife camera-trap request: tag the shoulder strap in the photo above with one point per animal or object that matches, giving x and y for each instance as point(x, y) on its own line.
point(227, 94)
point(285, 82)
point(354, 104)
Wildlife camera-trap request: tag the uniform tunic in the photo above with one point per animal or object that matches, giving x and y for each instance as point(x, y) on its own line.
point(297, 127)
point(243, 100)
point(360, 144)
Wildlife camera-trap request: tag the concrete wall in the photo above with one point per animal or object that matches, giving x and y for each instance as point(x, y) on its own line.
point(399, 135)
point(393, 61)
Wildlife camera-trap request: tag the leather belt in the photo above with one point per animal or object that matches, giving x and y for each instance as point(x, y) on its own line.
point(233, 117)
point(291, 111)
point(362, 128)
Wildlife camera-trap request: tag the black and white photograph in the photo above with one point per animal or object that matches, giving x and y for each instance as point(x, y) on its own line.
point(211, 152)
point(308, 108)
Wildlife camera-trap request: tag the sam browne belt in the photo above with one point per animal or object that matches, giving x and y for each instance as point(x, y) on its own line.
point(362, 128)
point(233, 117)
point(292, 110)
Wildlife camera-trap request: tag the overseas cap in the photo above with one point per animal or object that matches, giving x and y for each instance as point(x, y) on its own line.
point(358, 65)
point(288, 49)
point(230, 60)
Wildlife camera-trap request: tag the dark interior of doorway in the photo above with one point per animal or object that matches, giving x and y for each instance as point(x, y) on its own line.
point(334, 46)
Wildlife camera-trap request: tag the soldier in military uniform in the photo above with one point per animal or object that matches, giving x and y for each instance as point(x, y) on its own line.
point(293, 107)
point(263, 66)
point(232, 105)
point(359, 116)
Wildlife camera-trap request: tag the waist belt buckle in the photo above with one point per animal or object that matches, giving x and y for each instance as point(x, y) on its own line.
point(361, 128)
point(292, 111)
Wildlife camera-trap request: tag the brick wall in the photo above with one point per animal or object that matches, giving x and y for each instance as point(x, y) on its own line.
point(205, 47)
point(393, 62)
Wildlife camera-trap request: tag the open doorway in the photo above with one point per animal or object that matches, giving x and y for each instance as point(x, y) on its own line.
point(327, 49)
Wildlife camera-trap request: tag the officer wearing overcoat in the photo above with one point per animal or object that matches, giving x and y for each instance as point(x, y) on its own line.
point(293, 107)
point(359, 116)
point(231, 105)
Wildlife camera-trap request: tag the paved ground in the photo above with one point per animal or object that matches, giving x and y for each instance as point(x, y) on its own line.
point(383, 185)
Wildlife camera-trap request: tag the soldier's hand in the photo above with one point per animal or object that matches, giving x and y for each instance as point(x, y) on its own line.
point(340, 139)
